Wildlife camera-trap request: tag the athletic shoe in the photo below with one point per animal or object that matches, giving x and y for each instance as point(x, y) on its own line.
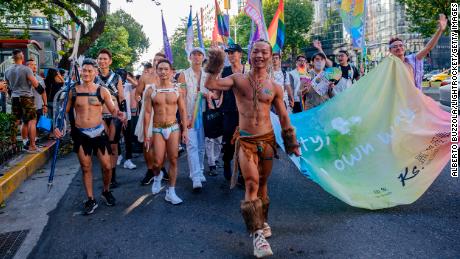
point(172, 197)
point(197, 185)
point(267, 230)
point(165, 174)
point(90, 206)
point(148, 178)
point(120, 157)
point(156, 186)
point(212, 170)
point(129, 164)
point(108, 198)
point(261, 246)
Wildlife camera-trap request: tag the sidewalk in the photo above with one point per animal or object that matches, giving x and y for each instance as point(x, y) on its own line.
point(16, 171)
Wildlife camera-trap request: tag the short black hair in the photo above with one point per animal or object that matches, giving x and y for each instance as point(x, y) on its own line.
point(16, 53)
point(147, 65)
point(394, 39)
point(276, 54)
point(30, 60)
point(164, 61)
point(105, 51)
point(344, 52)
point(89, 61)
point(300, 56)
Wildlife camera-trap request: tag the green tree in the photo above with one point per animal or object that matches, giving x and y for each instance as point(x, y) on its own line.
point(115, 39)
point(17, 13)
point(423, 14)
point(137, 40)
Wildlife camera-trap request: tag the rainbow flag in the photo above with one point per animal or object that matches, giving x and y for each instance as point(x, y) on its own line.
point(277, 29)
point(383, 150)
point(222, 25)
point(197, 111)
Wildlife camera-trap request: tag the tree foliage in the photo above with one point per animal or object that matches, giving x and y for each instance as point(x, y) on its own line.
point(137, 40)
point(124, 37)
point(116, 40)
point(424, 14)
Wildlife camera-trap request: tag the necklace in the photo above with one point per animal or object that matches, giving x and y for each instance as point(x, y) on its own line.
point(256, 86)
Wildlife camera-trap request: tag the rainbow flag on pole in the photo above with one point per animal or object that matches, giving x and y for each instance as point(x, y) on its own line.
point(222, 25)
point(277, 29)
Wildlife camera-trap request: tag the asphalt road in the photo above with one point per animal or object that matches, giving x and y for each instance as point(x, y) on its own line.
point(306, 222)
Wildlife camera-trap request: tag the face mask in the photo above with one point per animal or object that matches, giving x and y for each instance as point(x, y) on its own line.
point(319, 65)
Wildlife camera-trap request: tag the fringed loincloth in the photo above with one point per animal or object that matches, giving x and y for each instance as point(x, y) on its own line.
point(253, 147)
point(90, 145)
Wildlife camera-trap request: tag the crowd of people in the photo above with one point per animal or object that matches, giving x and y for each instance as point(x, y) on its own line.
point(164, 111)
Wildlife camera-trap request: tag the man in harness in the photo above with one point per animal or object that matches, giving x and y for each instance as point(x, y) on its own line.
point(254, 138)
point(113, 83)
point(163, 100)
point(88, 133)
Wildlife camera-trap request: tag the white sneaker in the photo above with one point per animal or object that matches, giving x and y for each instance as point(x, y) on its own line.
point(267, 230)
point(197, 185)
point(156, 186)
point(120, 157)
point(129, 164)
point(261, 246)
point(172, 197)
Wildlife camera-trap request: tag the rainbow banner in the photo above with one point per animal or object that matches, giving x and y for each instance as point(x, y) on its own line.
point(353, 17)
point(276, 30)
point(379, 144)
point(197, 115)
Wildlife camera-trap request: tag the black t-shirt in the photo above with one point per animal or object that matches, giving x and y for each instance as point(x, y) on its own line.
point(229, 101)
point(349, 71)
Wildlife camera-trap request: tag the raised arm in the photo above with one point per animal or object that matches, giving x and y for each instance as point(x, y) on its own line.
point(319, 47)
point(442, 25)
point(215, 64)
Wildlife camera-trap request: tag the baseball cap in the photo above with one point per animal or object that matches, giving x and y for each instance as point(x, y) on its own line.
point(233, 48)
point(198, 49)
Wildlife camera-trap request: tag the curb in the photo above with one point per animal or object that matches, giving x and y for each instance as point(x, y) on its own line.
point(14, 177)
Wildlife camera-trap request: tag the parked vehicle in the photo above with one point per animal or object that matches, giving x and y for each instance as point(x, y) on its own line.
point(446, 82)
point(428, 75)
point(441, 76)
